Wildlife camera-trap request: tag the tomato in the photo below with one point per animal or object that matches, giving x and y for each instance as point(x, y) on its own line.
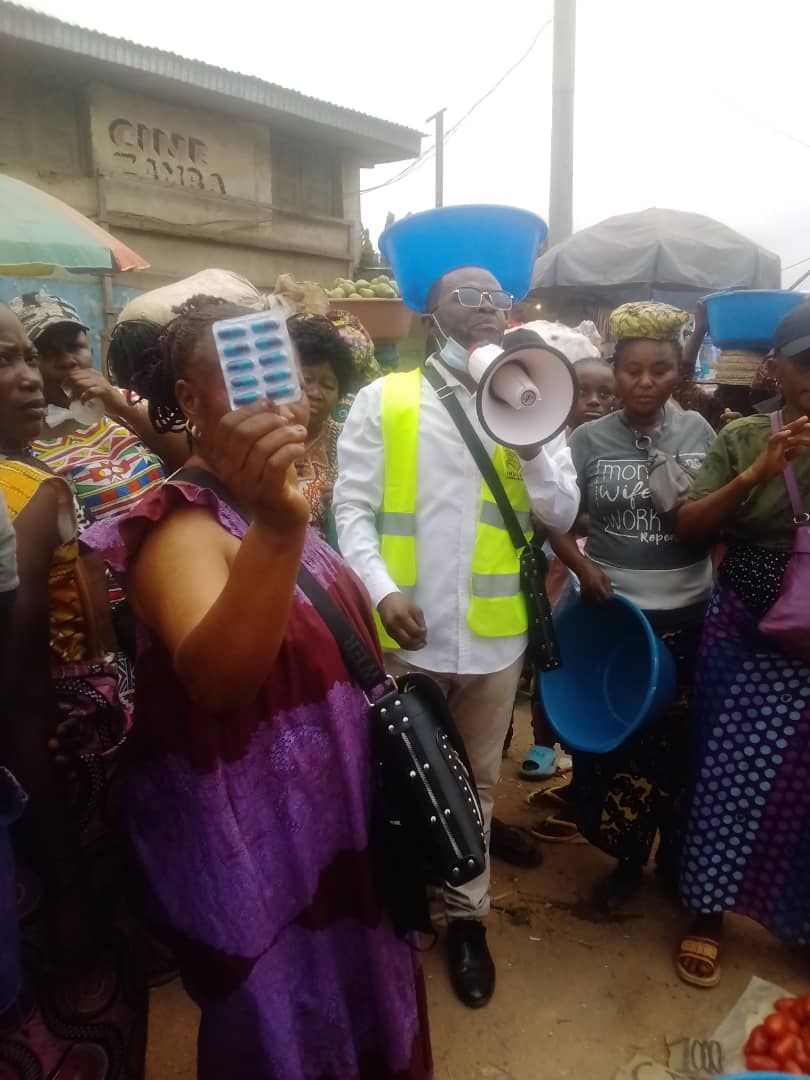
point(805, 1037)
point(784, 1049)
point(776, 1026)
point(758, 1041)
point(803, 1008)
point(760, 1063)
point(792, 1069)
point(788, 1006)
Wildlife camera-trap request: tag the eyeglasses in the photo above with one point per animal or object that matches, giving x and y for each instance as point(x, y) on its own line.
point(468, 296)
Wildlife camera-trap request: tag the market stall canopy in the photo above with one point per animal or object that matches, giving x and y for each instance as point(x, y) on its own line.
point(39, 233)
point(655, 254)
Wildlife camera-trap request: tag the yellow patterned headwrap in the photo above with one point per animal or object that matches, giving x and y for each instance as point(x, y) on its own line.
point(648, 319)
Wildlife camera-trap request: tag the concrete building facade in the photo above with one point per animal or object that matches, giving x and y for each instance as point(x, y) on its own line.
point(189, 164)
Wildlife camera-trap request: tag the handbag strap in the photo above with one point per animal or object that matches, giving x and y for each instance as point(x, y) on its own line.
point(358, 658)
point(482, 459)
point(791, 483)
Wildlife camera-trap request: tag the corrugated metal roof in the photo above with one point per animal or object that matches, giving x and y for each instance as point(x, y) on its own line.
point(32, 26)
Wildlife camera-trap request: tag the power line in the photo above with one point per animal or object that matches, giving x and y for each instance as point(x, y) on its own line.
point(425, 155)
point(797, 263)
point(763, 123)
point(501, 80)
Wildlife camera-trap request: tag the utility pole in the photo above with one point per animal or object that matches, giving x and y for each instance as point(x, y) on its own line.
point(561, 193)
point(439, 118)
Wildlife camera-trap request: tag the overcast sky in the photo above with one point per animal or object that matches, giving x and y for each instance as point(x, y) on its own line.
point(690, 104)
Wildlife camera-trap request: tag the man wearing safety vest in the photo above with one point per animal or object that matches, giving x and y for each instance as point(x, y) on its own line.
point(419, 526)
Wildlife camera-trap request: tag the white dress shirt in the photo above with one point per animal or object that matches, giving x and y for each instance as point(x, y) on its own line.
point(448, 492)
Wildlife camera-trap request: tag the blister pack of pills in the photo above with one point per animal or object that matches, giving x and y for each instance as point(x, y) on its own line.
point(257, 358)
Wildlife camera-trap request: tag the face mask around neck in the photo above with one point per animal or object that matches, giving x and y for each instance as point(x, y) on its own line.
point(454, 355)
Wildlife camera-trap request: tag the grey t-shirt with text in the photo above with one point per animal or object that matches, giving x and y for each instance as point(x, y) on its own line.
point(626, 536)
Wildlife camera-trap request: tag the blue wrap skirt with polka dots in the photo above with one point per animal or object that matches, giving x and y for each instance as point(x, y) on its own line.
point(747, 841)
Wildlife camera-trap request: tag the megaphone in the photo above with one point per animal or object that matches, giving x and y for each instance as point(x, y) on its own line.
point(526, 389)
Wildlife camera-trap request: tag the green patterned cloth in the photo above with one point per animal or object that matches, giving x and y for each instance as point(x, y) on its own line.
point(765, 518)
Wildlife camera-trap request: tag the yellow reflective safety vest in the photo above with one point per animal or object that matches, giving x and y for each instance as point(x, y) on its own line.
point(497, 607)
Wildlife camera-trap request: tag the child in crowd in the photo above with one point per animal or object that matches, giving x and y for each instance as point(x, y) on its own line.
point(595, 398)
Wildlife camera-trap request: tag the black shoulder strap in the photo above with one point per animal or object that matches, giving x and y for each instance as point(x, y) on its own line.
point(465, 429)
point(359, 661)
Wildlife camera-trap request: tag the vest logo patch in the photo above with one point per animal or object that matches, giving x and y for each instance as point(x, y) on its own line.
point(512, 465)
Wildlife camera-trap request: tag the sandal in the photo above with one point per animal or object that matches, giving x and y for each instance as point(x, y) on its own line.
point(558, 829)
point(705, 950)
point(540, 763)
point(513, 845)
point(556, 794)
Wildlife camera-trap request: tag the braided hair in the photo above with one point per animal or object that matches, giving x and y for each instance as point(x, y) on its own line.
point(164, 364)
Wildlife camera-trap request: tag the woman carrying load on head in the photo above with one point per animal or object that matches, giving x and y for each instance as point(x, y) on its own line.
point(748, 826)
point(631, 795)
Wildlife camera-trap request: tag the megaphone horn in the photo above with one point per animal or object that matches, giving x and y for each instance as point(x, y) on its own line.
point(525, 391)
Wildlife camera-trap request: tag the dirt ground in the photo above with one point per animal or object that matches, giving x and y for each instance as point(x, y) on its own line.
point(576, 997)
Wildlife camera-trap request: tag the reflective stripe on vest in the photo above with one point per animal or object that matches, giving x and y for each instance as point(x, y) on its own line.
point(396, 522)
point(497, 607)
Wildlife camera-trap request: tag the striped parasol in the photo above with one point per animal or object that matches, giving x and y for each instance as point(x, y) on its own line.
point(39, 233)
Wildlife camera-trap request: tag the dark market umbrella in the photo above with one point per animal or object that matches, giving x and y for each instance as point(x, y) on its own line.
point(655, 254)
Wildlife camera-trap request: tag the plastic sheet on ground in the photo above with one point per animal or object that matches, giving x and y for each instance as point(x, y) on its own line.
point(692, 1057)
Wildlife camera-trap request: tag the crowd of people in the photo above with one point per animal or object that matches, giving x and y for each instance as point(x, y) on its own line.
point(186, 766)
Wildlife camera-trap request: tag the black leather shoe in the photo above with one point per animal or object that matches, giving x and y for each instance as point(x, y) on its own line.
point(472, 971)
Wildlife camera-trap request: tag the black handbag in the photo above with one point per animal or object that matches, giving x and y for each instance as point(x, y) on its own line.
point(542, 650)
point(427, 789)
point(426, 775)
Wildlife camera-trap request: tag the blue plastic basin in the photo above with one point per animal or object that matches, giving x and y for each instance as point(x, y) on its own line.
point(502, 239)
point(615, 675)
point(757, 1076)
point(747, 318)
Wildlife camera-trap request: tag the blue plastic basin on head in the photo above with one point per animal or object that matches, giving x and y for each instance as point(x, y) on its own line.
point(747, 318)
point(501, 239)
point(615, 675)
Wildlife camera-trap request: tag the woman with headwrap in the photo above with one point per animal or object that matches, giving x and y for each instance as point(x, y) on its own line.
point(628, 797)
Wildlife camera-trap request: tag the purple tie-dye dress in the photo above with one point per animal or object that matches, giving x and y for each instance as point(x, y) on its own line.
point(252, 828)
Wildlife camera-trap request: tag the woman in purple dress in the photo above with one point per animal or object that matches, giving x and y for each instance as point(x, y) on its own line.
point(250, 769)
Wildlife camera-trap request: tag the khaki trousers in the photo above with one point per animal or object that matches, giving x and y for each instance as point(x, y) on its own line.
point(482, 709)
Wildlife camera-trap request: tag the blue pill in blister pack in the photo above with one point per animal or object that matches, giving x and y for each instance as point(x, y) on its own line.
point(257, 359)
point(279, 376)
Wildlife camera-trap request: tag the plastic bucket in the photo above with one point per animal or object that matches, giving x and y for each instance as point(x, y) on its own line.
point(747, 318)
point(502, 239)
point(615, 675)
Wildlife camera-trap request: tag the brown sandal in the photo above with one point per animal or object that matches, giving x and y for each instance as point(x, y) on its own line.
point(705, 950)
